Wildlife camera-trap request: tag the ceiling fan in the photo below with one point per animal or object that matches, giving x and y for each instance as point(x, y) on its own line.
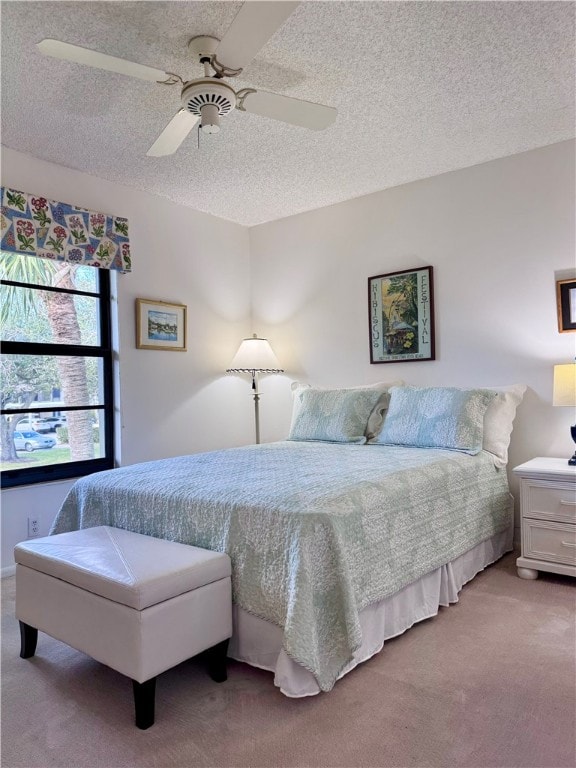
point(207, 99)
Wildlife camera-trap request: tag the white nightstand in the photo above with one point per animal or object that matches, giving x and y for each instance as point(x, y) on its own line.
point(548, 517)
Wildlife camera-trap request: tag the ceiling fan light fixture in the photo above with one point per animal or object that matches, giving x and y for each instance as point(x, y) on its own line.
point(210, 118)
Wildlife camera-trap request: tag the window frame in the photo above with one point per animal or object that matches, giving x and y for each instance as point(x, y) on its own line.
point(11, 478)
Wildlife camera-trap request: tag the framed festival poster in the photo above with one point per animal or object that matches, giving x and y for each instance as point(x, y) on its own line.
point(401, 312)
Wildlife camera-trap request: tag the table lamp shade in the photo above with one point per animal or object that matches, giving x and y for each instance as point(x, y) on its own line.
point(564, 385)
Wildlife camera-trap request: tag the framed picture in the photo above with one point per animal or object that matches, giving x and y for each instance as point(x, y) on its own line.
point(401, 310)
point(160, 325)
point(566, 303)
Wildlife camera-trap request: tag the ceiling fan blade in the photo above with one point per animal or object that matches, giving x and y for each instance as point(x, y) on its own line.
point(75, 53)
point(174, 134)
point(253, 26)
point(289, 110)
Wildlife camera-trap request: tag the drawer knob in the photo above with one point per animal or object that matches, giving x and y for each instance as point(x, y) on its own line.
point(565, 503)
point(568, 544)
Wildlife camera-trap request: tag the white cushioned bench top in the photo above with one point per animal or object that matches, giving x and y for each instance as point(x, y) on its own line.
point(129, 568)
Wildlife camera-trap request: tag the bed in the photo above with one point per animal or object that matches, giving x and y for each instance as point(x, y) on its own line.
point(335, 545)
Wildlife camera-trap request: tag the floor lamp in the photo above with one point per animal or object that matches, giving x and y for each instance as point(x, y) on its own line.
point(255, 356)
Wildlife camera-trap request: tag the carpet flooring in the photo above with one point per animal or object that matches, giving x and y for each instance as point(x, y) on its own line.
point(490, 681)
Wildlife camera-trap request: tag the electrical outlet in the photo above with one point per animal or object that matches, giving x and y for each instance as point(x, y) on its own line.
point(33, 527)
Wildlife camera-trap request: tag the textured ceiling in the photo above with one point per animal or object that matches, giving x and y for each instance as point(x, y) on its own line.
point(421, 88)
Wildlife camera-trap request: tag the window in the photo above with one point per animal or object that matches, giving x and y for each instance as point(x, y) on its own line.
point(56, 367)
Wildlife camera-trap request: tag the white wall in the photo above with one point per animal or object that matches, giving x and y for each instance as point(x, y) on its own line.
point(171, 402)
point(498, 235)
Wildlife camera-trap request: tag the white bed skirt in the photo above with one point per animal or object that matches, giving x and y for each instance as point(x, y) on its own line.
point(259, 643)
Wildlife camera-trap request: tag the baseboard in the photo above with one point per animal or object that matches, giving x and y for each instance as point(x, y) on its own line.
point(10, 570)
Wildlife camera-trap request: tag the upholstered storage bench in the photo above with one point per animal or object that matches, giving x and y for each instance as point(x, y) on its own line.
point(139, 604)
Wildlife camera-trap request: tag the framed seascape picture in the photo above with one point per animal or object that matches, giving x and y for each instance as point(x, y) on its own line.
point(401, 310)
point(160, 325)
point(566, 304)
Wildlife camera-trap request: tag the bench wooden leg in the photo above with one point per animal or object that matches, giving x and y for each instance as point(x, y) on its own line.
point(28, 640)
point(217, 662)
point(144, 695)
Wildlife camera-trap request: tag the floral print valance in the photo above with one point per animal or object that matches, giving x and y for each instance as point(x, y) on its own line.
point(40, 227)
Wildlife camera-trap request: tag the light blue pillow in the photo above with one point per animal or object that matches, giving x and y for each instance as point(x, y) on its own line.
point(332, 415)
point(436, 417)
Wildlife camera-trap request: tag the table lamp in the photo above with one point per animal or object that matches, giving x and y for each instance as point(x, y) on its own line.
point(255, 356)
point(565, 393)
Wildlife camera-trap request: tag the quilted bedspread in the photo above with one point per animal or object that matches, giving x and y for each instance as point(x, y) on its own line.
point(316, 531)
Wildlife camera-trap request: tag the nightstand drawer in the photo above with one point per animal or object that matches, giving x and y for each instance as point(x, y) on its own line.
point(547, 501)
point(555, 542)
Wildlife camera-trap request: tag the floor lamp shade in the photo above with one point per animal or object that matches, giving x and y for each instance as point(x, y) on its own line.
point(564, 393)
point(255, 356)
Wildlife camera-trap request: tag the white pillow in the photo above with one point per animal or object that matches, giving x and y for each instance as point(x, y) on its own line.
point(376, 418)
point(498, 421)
